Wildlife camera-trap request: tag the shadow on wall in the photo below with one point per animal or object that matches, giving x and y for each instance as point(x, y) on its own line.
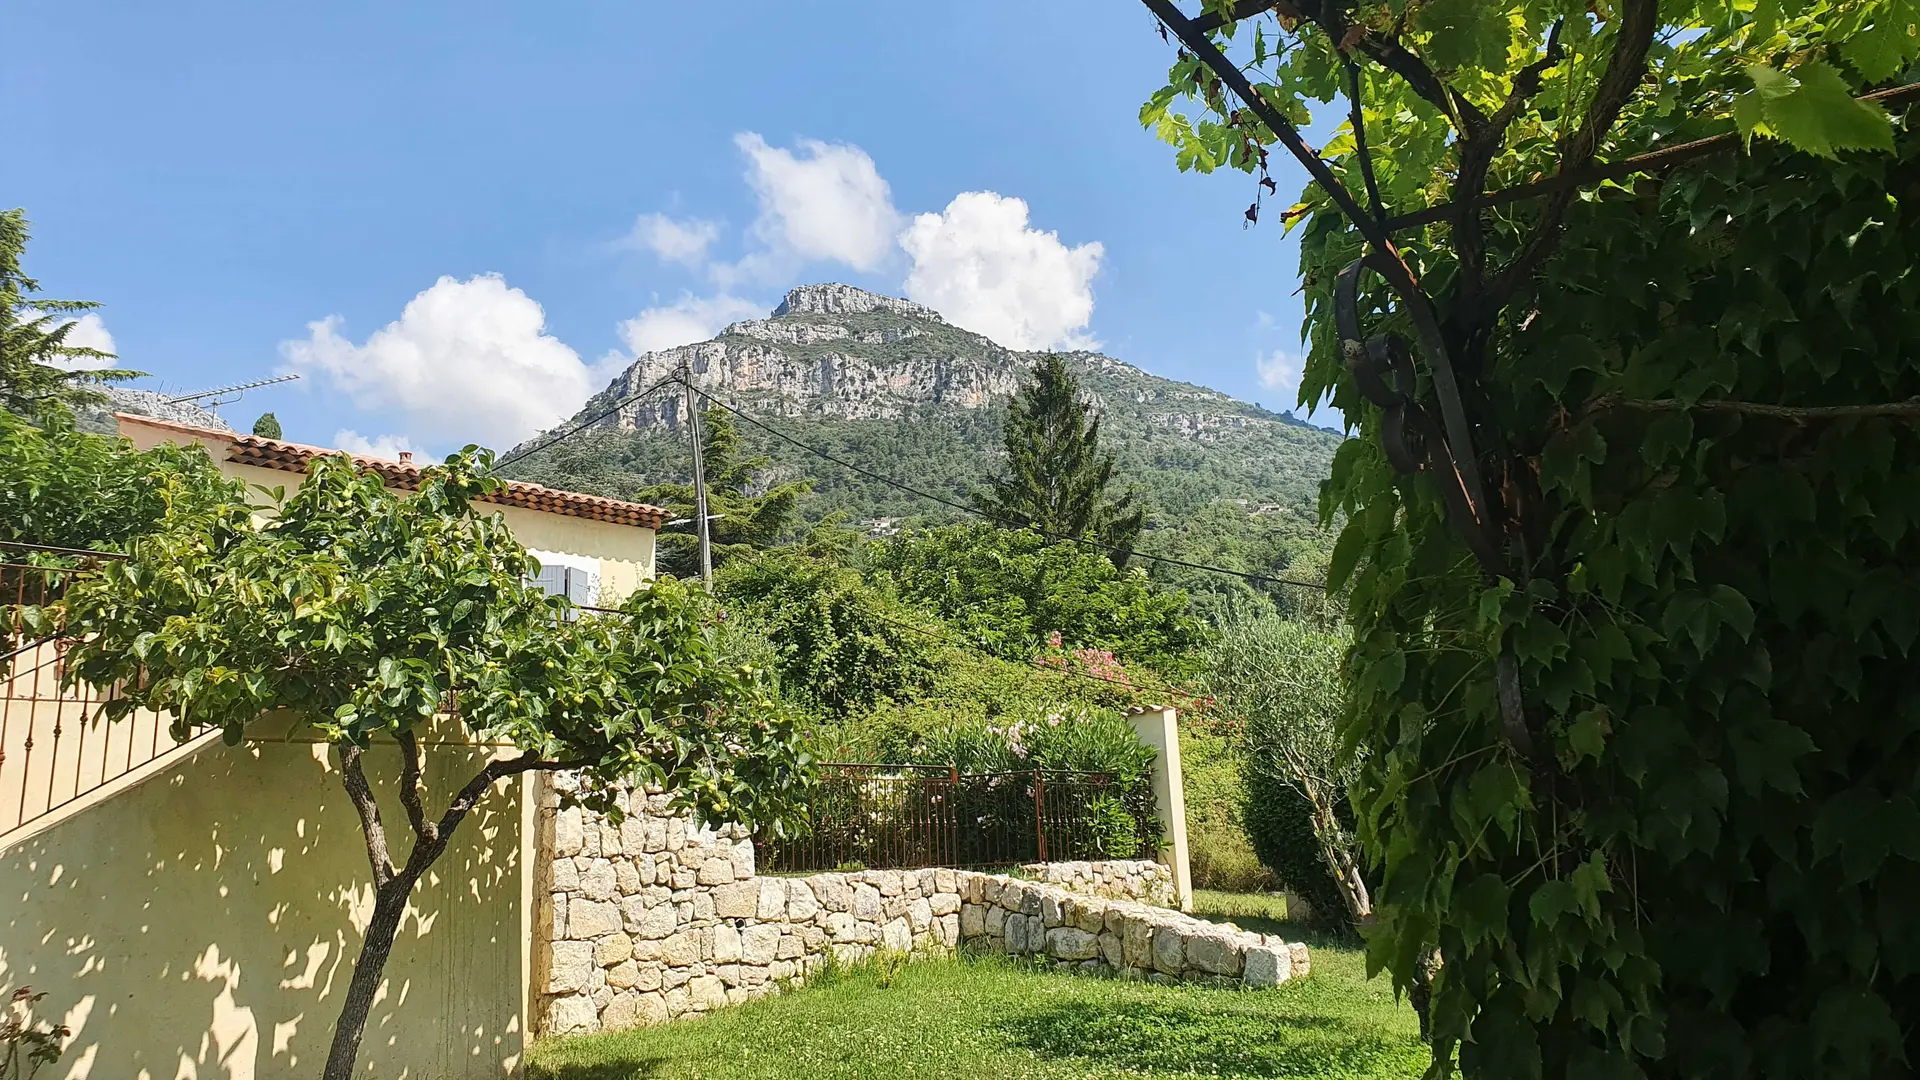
point(204, 924)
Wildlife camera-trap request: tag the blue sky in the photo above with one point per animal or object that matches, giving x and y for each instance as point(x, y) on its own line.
point(255, 187)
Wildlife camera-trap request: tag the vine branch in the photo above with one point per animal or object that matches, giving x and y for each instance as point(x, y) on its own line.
point(1626, 67)
point(1908, 409)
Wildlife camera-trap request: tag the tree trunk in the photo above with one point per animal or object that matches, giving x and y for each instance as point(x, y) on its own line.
point(1338, 854)
point(389, 907)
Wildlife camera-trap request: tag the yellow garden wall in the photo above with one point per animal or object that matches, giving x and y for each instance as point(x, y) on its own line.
point(204, 923)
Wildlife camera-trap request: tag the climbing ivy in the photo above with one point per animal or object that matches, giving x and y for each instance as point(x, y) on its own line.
point(1642, 734)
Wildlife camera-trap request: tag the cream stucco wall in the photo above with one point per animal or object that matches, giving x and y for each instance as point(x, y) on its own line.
point(204, 923)
point(624, 552)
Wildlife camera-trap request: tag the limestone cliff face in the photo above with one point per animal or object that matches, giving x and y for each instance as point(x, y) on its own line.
point(891, 386)
point(834, 351)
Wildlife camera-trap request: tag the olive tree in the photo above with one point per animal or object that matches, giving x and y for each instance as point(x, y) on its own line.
point(366, 613)
point(1282, 680)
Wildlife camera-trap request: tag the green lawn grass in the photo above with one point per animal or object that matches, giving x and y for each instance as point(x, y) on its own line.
point(991, 1018)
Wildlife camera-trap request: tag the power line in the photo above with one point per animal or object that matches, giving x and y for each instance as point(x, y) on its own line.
point(962, 507)
point(576, 429)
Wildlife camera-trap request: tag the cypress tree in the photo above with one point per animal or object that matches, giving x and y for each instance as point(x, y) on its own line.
point(1056, 478)
point(267, 427)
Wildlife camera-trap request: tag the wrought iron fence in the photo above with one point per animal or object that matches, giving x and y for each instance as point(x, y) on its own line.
point(55, 747)
point(876, 816)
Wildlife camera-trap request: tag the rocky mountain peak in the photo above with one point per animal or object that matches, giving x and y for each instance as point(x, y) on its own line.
point(832, 298)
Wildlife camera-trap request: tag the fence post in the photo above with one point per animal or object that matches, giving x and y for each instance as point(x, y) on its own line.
point(1040, 812)
point(953, 816)
point(1159, 730)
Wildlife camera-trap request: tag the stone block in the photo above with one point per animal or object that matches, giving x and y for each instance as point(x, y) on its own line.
point(866, 902)
point(671, 977)
point(624, 975)
point(609, 839)
point(833, 892)
point(1052, 910)
point(729, 973)
point(887, 881)
point(946, 930)
point(571, 1015)
point(707, 992)
point(557, 907)
point(773, 899)
point(626, 877)
point(1169, 950)
point(973, 920)
point(897, 935)
point(1090, 915)
point(679, 1003)
point(1136, 942)
point(1214, 952)
point(944, 903)
point(790, 947)
point(1017, 933)
point(893, 907)
point(943, 881)
point(589, 919)
point(801, 904)
point(726, 944)
point(612, 949)
point(1112, 950)
point(566, 876)
point(1302, 959)
point(681, 878)
point(919, 915)
point(676, 834)
point(681, 949)
point(590, 837)
point(842, 926)
point(653, 835)
point(736, 900)
point(715, 870)
point(703, 907)
point(1268, 965)
point(992, 889)
point(1071, 943)
point(570, 968)
point(598, 881)
point(759, 943)
point(996, 921)
point(569, 833)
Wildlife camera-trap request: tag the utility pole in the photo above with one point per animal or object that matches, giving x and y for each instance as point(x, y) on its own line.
point(699, 478)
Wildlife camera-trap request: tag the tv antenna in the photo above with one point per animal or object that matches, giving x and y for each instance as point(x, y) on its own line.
point(238, 391)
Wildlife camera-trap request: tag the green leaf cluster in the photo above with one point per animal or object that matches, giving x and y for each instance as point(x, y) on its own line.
point(1708, 874)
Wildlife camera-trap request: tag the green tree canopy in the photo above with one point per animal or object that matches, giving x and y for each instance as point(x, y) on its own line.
point(1629, 532)
point(1011, 590)
point(68, 488)
point(1057, 478)
point(34, 381)
point(268, 426)
point(366, 614)
point(745, 522)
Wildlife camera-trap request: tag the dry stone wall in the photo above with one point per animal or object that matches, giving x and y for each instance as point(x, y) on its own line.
point(657, 918)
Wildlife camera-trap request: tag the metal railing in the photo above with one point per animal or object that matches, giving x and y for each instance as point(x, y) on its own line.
point(882, 816)
point(56, 747)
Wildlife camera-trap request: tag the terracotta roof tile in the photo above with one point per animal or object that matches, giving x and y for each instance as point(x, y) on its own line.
point(264, 453)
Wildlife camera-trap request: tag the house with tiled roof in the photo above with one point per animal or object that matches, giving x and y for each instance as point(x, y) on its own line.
point(591, 548)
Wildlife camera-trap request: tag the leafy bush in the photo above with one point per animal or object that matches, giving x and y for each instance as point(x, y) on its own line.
point(67, 488)
point(1212, 769)
point(1011, 590)
point(1282, 681)
point(839, 644)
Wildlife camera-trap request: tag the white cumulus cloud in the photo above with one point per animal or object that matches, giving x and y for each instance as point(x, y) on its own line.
point(826, 202)
point(686, 320)
point(388, 447)
point(466, 361)
point(979, 264)
point(678, 241)
point(1280, 370)
point(89, 332)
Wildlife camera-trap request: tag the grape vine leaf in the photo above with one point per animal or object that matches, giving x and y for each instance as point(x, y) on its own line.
point(1813, 109)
